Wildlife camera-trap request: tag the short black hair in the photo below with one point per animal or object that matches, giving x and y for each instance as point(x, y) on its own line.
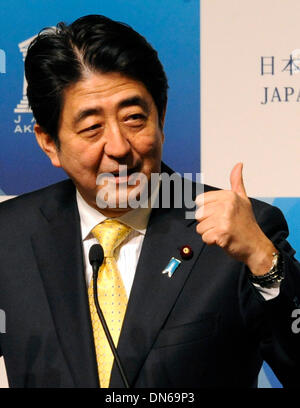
point(58, 56)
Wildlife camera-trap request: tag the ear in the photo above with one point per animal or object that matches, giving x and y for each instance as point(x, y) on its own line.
point(47, 144)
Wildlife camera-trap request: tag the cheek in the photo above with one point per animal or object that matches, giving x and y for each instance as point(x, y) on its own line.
point(90, 159)
point(150, 152)
point(148, 146)
point(80, 156)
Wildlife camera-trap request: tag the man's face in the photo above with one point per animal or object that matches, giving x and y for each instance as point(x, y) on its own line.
point(107, 120)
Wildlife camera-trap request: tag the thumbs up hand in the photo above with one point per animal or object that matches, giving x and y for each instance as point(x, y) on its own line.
point(225, 218)
point(237, 182)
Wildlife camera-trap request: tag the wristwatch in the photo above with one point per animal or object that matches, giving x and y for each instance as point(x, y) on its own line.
point(275, 274)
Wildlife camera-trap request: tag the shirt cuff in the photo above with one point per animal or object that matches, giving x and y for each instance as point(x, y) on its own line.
point(268, 293)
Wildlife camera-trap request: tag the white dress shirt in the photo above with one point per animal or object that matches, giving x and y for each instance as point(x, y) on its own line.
point(128, 253)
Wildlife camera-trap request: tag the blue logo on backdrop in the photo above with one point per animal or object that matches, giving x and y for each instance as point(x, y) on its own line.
point(23, 125)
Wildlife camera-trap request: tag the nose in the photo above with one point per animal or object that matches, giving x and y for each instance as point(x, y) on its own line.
point(116, 143)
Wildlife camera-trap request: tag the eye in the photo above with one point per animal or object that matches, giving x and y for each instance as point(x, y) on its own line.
point(136, 119)
point(93, 127)
point(90, 128)
point(137, 116)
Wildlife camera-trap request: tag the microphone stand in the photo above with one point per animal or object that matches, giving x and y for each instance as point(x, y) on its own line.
point(96, 266)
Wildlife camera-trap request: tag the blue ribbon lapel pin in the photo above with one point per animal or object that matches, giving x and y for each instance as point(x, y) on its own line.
point(171, 267)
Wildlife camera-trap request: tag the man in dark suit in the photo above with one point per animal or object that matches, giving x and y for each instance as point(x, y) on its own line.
point(98, 93)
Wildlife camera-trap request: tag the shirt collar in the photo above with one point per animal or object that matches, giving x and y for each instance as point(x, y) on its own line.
point(137, 218)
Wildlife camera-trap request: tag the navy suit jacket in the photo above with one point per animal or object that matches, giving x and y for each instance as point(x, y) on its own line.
point(207, 326)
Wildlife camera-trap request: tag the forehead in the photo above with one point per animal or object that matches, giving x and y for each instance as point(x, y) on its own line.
point(103, 90)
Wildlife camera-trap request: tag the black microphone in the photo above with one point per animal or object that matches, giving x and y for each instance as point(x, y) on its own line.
point(96, 257)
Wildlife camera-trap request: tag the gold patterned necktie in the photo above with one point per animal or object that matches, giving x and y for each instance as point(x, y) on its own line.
point(111, 293)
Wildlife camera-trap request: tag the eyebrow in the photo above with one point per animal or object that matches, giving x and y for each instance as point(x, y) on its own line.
point(132, 101)
point(135, 101)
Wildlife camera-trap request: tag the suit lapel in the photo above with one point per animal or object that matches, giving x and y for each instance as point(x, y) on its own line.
point(58, 251)
point(153, 294)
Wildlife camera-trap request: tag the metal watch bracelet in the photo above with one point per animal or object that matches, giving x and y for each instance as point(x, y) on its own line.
point(275, 274)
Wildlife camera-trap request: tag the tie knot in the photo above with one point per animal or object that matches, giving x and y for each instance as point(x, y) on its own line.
point(110, 234)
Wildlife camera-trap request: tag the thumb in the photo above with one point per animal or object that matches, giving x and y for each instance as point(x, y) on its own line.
point(236, 180)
